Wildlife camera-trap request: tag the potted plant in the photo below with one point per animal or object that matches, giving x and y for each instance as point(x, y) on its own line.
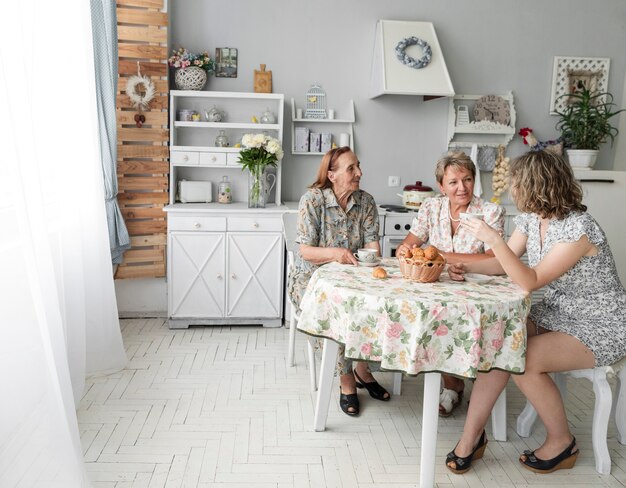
point(584, 125)
point(192, 70)
point(259, 151)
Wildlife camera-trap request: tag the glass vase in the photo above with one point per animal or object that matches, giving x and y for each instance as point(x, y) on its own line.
point(256, 188)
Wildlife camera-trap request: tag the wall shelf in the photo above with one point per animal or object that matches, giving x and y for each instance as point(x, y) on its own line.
point(482, 133)
point(331, 126)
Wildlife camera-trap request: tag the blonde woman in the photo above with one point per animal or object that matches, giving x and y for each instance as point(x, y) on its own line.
point(581, 321)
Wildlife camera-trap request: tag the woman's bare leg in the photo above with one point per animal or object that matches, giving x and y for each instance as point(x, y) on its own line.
point(485, 392)
point(547, 353)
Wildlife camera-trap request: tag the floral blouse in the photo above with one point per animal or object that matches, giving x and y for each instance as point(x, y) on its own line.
point(433, 225)
point(323, 223)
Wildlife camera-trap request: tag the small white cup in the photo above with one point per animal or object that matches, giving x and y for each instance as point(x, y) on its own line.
point(466, 215)
point(298, 113)
point(366, 255)
point(331, 114)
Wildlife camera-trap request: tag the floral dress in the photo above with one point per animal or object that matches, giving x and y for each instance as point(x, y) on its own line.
point(588, 302)
point(323, 223)
point(433, 225)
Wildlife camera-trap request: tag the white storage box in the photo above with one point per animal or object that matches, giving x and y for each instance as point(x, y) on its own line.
point(195, 191)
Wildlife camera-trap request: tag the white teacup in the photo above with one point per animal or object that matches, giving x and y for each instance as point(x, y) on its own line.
point(467, 215)
point(366, 255)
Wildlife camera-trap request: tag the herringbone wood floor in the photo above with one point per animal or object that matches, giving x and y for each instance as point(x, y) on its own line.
point(217, 407)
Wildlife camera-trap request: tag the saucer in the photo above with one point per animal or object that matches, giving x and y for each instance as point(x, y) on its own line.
point(369, 265)
point(477, 278)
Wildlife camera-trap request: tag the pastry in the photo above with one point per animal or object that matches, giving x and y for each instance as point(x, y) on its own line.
point(431, 252)
point(417, 252)
point(379, 272)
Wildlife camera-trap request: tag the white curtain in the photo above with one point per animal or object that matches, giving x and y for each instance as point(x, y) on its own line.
point(58, 311)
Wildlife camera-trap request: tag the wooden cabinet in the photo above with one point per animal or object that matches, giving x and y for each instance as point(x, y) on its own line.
point(224, 269)
point(224, 261)
point(342, 124)
point(464, 132)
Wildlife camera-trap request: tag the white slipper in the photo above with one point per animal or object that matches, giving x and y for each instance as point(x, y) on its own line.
point(448, 401)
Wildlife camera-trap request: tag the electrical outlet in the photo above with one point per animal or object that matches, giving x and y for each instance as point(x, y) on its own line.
point(393, 181)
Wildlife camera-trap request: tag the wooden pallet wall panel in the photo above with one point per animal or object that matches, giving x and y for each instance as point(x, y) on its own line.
point(142, 152)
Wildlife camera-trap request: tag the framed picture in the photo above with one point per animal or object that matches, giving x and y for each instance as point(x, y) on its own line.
point(226, 62)
point(570, 75)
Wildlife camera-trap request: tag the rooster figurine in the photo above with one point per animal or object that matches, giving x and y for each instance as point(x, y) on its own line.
point(556, 146)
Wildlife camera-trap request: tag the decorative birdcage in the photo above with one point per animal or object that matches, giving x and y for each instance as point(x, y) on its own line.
point(315, 103)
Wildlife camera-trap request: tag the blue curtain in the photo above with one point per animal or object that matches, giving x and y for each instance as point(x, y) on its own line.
point(104, 29)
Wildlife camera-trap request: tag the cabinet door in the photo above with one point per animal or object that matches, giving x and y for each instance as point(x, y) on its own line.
point(196, 283)
point(255, 270)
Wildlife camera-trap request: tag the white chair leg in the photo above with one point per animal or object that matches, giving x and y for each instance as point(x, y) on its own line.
point(620, 406)
point(601, 414)
point(397, 384)
point(312, 370)
point(498, 418)
point(526, 420)
point(329, 361)
point(292, 337)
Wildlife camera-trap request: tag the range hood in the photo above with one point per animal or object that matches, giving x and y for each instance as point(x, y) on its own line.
point(393, 76)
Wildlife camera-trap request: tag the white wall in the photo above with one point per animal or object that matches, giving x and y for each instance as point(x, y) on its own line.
point(489, 46)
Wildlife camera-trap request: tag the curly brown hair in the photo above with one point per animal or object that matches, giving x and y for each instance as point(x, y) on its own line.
point(543, 183)
point(456, 159)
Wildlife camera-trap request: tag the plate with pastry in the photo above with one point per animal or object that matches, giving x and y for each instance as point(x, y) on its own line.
point(477, 278)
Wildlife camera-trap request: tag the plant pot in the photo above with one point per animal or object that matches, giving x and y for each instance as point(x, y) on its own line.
point(582, 158)
point(191, 78)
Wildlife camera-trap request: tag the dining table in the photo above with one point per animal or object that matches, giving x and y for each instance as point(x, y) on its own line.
point(454, 327)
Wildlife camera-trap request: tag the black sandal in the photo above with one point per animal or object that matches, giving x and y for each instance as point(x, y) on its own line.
point(463, 464)
point(565, 460)
point(347, 401)
point(373, 387)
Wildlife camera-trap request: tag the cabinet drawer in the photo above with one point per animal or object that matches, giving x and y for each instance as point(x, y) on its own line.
point(201, 223)
point(233, 159)
point(184, 157)
point(253, 223)
point(212, 159)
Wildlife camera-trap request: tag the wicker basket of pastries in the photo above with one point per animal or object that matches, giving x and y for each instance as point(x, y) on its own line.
point(422, 265)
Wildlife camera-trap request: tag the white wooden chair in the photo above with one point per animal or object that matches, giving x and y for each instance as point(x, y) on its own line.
point(289, 232)
point(602, 409)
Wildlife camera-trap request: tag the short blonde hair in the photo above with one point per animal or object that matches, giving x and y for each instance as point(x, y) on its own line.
point(457, 159)
point(544, 184)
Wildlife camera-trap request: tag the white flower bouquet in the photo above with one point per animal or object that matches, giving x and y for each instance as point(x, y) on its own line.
point(259, 152)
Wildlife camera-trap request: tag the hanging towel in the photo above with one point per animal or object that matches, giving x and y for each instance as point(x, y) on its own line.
point(478, 188)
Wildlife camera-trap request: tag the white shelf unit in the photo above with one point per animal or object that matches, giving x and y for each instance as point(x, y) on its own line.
point(480, 133)
point(194, 156)
point(343, 124)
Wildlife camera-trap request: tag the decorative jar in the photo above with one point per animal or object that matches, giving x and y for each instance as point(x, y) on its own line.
point(224, 193)
point(268, 117)
point(191, 78)
point(221, 140)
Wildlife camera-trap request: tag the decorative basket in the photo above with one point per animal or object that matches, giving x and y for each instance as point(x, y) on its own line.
point(426, 272)
point(191, 78)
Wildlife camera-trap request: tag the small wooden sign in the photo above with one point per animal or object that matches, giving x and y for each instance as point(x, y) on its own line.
point(262, 80)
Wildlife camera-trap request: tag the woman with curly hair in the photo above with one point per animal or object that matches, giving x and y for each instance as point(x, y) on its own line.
point(581, 321)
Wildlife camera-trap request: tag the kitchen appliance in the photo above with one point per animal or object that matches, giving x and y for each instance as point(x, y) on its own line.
point(414, 195)
point(195, 191)
point(395, 223)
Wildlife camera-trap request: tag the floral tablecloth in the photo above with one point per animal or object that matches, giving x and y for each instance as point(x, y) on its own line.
point(453, 327)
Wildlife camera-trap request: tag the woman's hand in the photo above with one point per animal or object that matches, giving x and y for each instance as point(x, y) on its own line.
point(481, 230)
point(402, 249)
point(345, 256)
point(457, 272)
